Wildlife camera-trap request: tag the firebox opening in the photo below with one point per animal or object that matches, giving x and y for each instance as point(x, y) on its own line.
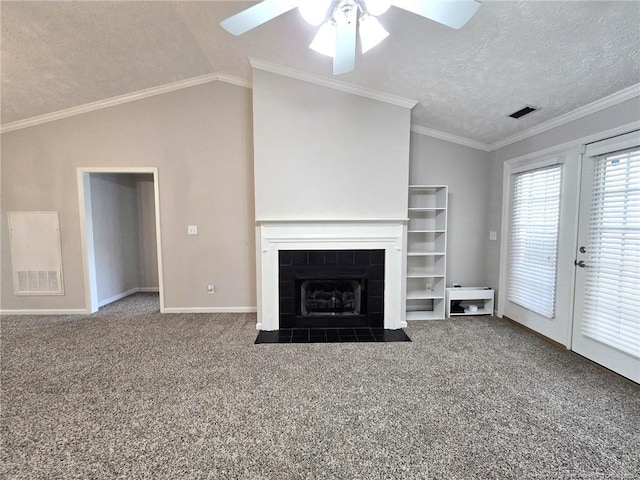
point(331, 288)
point(331, 297)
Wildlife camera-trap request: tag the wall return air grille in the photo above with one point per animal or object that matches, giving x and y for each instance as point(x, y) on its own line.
point(42, 281)
point(35, 253)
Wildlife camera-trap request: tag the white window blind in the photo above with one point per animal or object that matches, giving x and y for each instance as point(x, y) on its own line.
point(533, 249)
point(612, 285)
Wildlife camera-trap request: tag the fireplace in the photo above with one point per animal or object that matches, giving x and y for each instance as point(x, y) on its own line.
point(371, 252)
point(331, 288)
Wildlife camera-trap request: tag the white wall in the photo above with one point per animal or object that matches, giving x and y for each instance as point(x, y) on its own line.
point(595, 125)
point(114, 212)
point(325, 154)
point(466, 172)
point(199, 138)
point(147, 248)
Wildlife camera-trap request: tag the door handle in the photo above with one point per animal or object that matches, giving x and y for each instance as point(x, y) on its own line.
point(580, 263)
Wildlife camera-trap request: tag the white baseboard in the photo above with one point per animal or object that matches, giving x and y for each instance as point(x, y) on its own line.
point(46, 311)
point(107, 301)
point(126, 294)
point(120, 296)
point(210, 310)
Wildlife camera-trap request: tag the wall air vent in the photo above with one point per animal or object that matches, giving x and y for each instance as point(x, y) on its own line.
point(523, 111)
point(35, 253)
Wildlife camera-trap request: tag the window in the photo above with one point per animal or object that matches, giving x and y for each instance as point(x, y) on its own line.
point(533, 249)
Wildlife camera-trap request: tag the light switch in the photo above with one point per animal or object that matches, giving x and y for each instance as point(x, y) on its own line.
point(192, 229)
point(493, 236)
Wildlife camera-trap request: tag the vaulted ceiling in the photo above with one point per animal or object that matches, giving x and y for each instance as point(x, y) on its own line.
point(558, 56)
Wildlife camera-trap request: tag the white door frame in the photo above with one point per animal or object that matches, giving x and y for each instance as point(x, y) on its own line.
point(86, 230)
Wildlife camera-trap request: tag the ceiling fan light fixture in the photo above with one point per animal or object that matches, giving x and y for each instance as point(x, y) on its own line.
point(314, 12)
point(325, 40)
point(371, 32)
point(340, 21)
point(377, 7)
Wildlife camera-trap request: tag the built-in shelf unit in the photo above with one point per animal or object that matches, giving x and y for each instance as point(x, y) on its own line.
point(481, 297)
point(426, 252)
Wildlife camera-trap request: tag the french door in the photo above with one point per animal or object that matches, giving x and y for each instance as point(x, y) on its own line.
point(606, 326)
point(540, 249)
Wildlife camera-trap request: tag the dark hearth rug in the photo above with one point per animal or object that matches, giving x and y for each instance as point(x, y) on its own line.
point(332, 335)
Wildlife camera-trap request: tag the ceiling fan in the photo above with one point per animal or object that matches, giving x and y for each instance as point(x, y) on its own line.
point(340, 20)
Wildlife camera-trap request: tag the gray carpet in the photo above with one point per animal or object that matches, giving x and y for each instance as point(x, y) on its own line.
point(128, 393)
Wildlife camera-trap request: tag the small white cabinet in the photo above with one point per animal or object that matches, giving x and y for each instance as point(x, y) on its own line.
point(480, 297)
point(426, 252)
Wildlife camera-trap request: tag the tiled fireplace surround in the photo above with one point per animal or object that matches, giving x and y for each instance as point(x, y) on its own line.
point(274, 236)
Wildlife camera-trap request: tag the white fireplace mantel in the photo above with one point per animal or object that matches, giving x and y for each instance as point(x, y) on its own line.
point(377, 234)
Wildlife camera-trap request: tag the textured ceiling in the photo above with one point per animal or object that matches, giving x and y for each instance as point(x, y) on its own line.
point(556, 55)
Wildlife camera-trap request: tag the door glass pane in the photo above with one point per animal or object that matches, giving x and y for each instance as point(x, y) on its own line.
point(612, 286)
point(533, 249)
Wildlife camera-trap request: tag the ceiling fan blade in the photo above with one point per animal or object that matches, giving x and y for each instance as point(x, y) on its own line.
point(453, 13)
point(257, 15)
point(345, 59)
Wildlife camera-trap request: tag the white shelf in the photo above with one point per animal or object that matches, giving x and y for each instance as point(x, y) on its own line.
point(483, 311)
point(428, 219)
point(469, 293)
point(430, 266)
point(427, 187)
point(425, 309)
point(478, 296)
point(426, 252)
point(423, 315)
point(424, 296)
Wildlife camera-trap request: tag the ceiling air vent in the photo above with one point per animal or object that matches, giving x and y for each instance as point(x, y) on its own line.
point(523, 111)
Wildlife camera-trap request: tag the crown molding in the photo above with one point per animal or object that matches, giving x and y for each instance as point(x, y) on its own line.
point(593, 107)
point(330, 83)
point(119, 100)
point(230, 79)
point(579, 143)
point(450, 138)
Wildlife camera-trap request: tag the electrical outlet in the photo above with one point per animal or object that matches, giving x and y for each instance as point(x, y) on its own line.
point(493, 235)
point(211, 288)
point(192, 229)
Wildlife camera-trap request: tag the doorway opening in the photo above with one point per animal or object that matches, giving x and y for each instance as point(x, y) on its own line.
point(120, 233)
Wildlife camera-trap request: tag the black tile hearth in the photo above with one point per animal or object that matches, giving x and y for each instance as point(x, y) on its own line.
point(332, 335)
